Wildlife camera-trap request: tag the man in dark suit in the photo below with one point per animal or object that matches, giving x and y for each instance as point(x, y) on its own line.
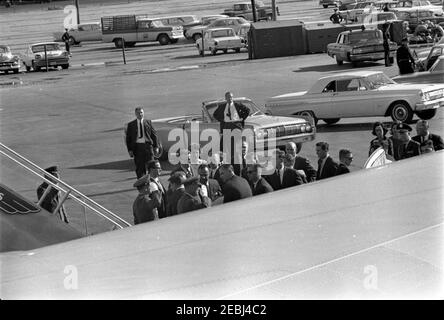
point(345, 159)
point(234, 187)
point(154, 170)
point(184, 164)
point(425, 138)
point(327, 167)
point(283, 177)
point(258, 184)
point(231, 116)
point(301, 163)
point(210, 187)
point(175, 192)
point(142, 141)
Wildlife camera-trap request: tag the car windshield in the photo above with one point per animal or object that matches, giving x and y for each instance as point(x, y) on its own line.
point(379, 79)
point(49, 47)
point(254, 110)
point(222, 33)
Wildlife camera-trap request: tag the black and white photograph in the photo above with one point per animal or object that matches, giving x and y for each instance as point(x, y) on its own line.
point(221, 150)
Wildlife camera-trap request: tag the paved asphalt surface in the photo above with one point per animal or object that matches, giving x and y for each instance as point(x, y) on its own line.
point(75, 118)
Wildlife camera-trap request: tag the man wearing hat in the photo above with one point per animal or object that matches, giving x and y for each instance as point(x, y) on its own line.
point(336, 16)
point(404, 58)
point(408, 148)
point(175, 192)
point(51, 200)
point(192, 199)
point(146, 204)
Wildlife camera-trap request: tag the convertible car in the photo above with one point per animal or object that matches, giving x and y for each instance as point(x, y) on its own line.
point(284, 129)
point(434, 75)
point(360, 94)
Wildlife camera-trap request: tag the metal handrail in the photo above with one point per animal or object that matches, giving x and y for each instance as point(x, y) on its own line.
point(74, 194)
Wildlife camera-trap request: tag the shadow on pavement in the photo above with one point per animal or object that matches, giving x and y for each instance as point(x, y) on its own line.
point(335, 67)
point(126, 165)
point(345, 127)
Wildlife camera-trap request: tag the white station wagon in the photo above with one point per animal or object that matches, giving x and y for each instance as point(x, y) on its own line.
point(220, 39)
point(360, 94)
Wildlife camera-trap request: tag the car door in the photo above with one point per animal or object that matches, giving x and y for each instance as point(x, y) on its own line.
point(96, 32)
point(352, 99)
point(145, 30)
point(335, 47)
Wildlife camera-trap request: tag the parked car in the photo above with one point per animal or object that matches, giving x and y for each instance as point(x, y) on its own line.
point(178, 20)
point(8, 61)
point(360, 8)
point(34, 56)
point(359, 45)
point(360, 94)
point(435, 74)
point(416, 16)
point(245, 10)
point(233, 23)
point(194, 31)
point(376, 18)
point(335, 3)
point(420, 4)
point(220, 39)
point(91, 31)
point(284, 129)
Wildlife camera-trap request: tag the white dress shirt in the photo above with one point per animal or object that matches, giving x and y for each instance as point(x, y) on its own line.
point(234, 115)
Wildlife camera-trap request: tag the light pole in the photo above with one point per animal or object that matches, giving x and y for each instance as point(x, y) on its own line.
point(77, 10)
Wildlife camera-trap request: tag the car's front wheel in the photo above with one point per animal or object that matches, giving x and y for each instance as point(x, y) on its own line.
point(213, 51)
point(325, 6)
point(72, 41)
point(309, 114)
point(237, 50)
point(401, 111)
point(65, 66)
point(426, 114)
point(164, 39)
point(118, 43)
point(28, 68)
point(331, 120)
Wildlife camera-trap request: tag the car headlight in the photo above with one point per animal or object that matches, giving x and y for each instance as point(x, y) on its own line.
point(38, 56)
point(356, 51)
point(424, 96)
point(216, 43)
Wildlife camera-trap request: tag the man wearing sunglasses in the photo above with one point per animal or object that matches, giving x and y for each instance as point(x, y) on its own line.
point(345, 159)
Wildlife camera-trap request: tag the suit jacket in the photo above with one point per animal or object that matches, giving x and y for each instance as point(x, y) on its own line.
point(162, 207)
point(236, 188)
point(438, 143)
point(342, 168)
point(329, 169)
point(291, 178)
point(302, 163)
point(172, 200)
point(131, 134)
point(242, 111)
point(214, 190)
point(411, 149)
point(262, 186)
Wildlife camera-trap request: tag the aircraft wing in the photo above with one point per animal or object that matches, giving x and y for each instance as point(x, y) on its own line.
point(375, 233)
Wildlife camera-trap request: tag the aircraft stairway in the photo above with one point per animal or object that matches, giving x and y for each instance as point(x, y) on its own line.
point(24, 222)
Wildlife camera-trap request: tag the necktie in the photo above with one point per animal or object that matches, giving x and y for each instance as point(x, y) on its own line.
point(229, 111)
point(319, 167)
point(140, 129)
